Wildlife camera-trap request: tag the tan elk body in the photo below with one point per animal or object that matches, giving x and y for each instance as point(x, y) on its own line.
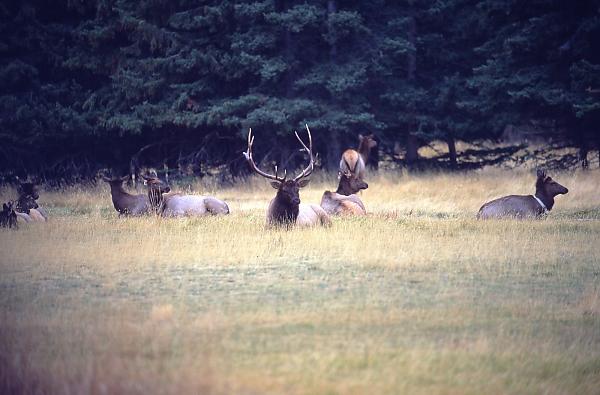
point(169, 204)
point(525, 206)
point(355, 160)
point(285, 208)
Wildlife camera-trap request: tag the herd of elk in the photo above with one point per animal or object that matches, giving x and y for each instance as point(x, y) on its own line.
point(525, 206)
point(285, 208)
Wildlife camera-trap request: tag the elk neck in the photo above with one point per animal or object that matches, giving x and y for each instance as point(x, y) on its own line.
point(544, 196)
point(23, 204)
point(284, 211)
point(344, 187)
point(364, 150)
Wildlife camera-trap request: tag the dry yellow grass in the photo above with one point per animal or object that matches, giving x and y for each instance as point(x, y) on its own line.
point(417, 297)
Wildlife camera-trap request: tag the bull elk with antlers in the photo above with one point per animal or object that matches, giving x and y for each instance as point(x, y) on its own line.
point(285, 208)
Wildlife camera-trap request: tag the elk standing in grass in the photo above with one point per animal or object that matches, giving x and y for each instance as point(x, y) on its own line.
point(285, 208)
point(525, 206)
point(125, 203)
point(355, 160)
point(178, 205)
point(344, 200)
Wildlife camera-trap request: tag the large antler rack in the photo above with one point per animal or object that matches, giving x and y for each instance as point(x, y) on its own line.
point(250, 159)
point(311, 165)
point(305, 173)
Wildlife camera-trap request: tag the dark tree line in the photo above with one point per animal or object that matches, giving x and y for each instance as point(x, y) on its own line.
point(122, 84)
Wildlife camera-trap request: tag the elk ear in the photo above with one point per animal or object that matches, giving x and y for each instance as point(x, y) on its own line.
point(304, 182)
point(276, 184)
point(360, 137)
point(541, 174)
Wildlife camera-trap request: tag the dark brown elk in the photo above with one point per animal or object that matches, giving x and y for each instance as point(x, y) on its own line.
point(8, 216)
point(356, 160)
point(27, 208)
point(178, 205)
point(525, 206)
point(343, 200)
point(285, 208)
point(125, 203)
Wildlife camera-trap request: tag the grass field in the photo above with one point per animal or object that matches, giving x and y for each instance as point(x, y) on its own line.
point(418, 297)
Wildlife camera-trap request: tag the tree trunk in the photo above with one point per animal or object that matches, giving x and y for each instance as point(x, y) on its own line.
point(583, 157)
point(452, 151)
point(334, 152)
point(412, 149)
point(374, 158)
point(412, 143)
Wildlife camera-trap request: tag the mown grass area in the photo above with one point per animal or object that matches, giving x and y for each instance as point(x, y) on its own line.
point(417, 297)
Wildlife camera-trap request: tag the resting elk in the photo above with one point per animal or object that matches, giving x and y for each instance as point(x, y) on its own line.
point(125, 203)
point(285, 208)
point(8, 216)
point(26, 208)
point(355, 160)
point(178, 205)
point(344, 200)
point(525, 206)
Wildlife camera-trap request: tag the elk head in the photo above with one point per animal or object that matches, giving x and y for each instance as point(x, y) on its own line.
point(115, 182)
point(367, 141)
point(547, 186)
point(26, 203)
point(285, 206)
point(28, 189)
point(350, 183)
point(8, 216)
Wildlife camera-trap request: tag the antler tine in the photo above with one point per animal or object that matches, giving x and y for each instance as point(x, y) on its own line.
point(248, 156)
point(311, 165)
point(277, 173)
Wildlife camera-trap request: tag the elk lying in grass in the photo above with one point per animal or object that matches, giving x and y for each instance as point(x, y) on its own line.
point(178, 205)
point(285, 208)
point(525, 206)
point(125, 203)
point(8, 216)
point(356, 160)
point(344, 200)
point(27, 208)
